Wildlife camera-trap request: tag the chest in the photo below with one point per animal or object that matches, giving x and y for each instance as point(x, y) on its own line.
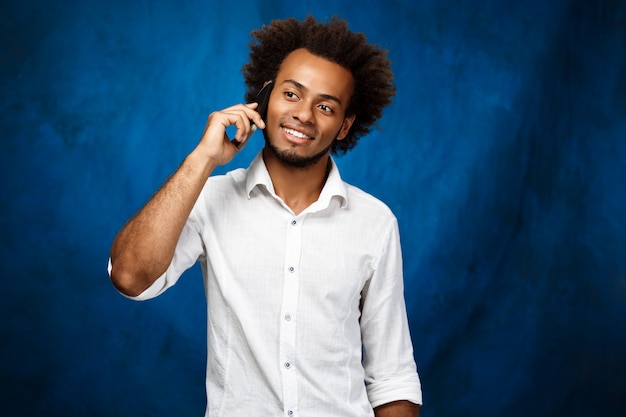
point(325, 257)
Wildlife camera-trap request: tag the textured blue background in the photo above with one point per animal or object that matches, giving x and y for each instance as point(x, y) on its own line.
point(503, 156)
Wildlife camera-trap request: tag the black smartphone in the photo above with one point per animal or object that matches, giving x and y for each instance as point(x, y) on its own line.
point(262, 97)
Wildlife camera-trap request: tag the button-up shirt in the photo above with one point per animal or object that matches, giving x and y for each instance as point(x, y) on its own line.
point(306, 313)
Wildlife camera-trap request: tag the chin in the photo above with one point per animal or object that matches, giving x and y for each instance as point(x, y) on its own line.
point(291, 158)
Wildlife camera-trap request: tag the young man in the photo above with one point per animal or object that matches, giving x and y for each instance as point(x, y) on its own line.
point(303, 272)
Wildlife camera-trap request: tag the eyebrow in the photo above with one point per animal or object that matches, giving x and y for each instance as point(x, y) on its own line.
point(302, 87)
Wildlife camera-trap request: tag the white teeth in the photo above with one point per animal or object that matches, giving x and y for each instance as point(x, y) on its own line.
point(296, 133)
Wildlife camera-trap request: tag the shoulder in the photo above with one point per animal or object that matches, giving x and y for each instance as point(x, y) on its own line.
point(220, 190)
point(227, 182)
point(363, 203)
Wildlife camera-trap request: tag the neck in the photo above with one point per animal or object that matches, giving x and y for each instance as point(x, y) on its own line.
point(297, 187)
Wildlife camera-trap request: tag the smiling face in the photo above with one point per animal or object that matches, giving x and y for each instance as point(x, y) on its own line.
point(307, 107)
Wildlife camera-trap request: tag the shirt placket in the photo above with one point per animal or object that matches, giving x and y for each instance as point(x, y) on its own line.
point(288, 320)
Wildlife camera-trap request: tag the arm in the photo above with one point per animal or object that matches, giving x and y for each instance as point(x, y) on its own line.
point(145, 246)
point(390, 371)
point(398, 409)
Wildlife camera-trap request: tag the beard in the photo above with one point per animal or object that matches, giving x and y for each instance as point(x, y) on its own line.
point(292, 159)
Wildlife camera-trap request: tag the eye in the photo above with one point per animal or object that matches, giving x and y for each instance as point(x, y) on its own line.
point(326, 108)
point(291, 95)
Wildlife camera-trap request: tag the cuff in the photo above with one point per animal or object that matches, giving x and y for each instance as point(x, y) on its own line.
point(406, 388)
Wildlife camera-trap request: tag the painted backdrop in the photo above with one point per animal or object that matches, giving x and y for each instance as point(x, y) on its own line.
point(503, 157)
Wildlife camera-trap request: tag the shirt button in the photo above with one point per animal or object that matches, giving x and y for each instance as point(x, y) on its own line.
point(290, 412)
point(288, 317)
point(287, 365)
point(293, 222)
point(291, 269)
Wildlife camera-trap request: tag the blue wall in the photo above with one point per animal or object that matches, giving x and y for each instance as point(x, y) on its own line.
point(503, 156)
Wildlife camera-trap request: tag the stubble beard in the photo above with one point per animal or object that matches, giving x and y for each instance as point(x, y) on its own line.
point(292, 159)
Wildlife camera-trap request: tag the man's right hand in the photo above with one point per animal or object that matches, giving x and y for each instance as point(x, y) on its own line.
point(215, 144)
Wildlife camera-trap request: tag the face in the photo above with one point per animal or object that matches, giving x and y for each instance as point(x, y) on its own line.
point(307, 107)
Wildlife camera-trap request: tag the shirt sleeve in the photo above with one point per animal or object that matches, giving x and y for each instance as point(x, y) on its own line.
point(188, 249)
point(390, 369)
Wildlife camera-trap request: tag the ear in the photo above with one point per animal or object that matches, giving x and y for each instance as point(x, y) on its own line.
point(345, 127)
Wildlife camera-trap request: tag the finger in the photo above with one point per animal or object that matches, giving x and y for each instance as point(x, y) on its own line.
point(241, 116)
point(250, 110)
point(242, 142)
point(256, 117)
point(242, 123)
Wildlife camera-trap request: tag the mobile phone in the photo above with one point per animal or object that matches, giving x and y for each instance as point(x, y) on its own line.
point(263, 97)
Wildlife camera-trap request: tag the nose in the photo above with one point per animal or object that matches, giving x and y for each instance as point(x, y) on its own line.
point(303, 112)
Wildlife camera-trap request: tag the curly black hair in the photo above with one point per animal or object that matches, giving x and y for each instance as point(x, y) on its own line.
point(370, 66)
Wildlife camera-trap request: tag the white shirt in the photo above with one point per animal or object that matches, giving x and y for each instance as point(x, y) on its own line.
point(306, 313)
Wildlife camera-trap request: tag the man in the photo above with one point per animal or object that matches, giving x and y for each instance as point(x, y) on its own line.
point(303, 272)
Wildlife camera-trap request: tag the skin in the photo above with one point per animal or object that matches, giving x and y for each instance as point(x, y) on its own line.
point(310, 98)
point(398, 409)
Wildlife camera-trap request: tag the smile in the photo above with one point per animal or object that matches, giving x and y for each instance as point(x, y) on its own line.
point(296, 134)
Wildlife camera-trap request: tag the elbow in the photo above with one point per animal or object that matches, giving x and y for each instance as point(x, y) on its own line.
point(128, 283)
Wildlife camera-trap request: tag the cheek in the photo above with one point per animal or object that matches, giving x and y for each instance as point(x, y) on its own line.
point(275, 103)
point(273, 112)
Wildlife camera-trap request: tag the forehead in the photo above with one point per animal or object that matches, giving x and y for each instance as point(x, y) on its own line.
point(316, 74)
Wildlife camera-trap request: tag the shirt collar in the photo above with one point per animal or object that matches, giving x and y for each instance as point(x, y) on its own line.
point(335, 187)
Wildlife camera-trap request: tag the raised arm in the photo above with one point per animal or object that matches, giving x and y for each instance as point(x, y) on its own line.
point(144, 248)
